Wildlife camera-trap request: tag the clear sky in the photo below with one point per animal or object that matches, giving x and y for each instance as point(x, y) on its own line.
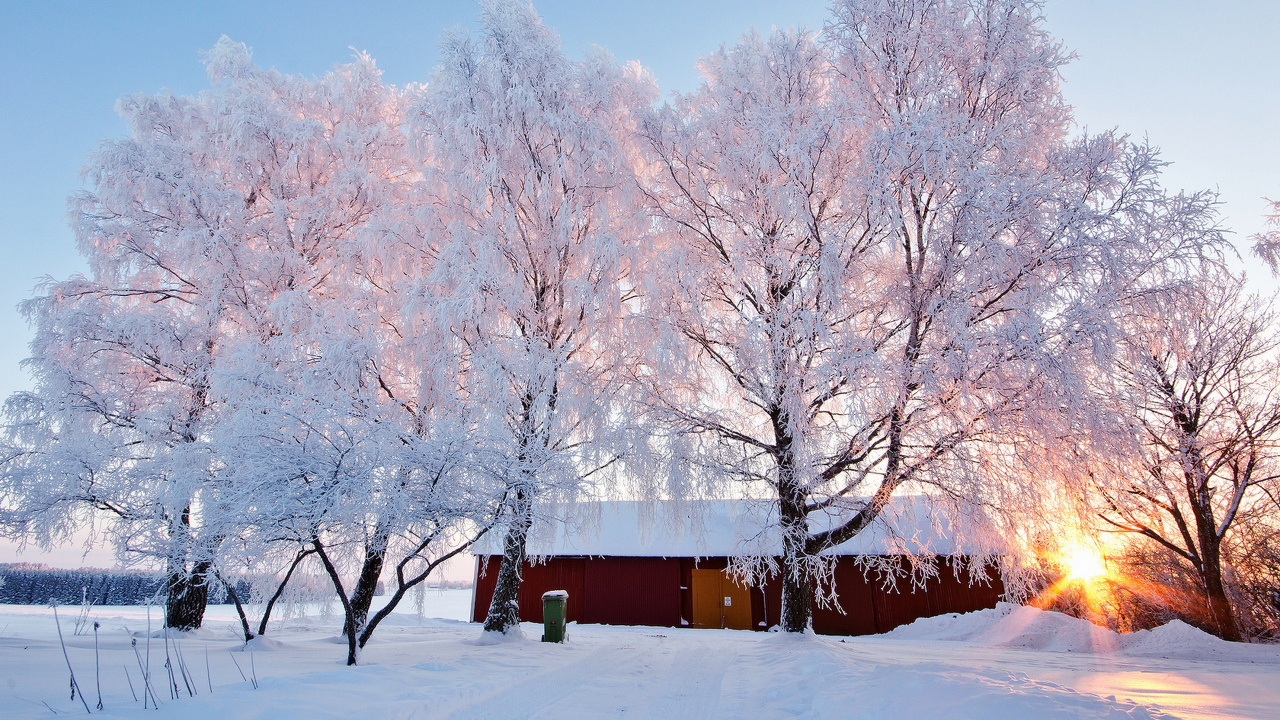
point(1200, 79)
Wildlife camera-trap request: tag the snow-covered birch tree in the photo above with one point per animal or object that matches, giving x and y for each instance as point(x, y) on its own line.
point(1194, 385)
point(878, 255)
point(118, 422)
point(307, 419)
point(535, 200)
point(212, 234)
point(759, 287)
point(113, 428)
point(342, 435)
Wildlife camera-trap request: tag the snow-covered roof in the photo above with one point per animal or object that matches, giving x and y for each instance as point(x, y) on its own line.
point(720, 528)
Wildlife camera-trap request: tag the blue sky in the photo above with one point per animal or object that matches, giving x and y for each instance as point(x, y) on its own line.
point(1199, 79)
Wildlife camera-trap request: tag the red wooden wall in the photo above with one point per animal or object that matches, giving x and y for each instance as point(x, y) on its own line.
point(632, 591)
point(870, 608)
point(608, 591)
point(656, 591)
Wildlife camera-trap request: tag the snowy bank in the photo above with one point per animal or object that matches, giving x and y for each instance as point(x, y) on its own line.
point(1016, 626)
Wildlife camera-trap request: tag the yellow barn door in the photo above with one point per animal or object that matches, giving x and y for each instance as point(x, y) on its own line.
point(737, 604)
point(719, 601)
point(706, 599)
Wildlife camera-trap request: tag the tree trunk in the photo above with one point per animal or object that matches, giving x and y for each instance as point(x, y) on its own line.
point(797, 584)
point(375, 553)
point(235, 599)
point(271, 603)
point(187, 596)
point(504, 610)
point(352, 649)
point(797, 572)
point(1195, 474)
point(1220, 611)
point(403, 586)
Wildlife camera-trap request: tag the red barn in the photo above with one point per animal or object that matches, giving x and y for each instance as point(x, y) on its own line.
point(671, 572)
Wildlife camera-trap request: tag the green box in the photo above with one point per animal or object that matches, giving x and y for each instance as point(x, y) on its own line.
point(555, 605)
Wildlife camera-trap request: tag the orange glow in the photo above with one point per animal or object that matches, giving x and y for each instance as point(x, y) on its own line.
point(1082, 562)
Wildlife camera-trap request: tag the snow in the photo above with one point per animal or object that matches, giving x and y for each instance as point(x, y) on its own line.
point(716, 528)
point(1015, 626)
point(1003, 663)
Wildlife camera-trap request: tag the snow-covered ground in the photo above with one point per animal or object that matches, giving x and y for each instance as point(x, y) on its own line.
point(1002, 663)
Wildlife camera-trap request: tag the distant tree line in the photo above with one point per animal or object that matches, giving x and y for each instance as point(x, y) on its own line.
point(39, 584)
point(34, 584)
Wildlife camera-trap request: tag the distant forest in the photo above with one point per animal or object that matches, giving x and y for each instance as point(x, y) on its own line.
point(39, 584)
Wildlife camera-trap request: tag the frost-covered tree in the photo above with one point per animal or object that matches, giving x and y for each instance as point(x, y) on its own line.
point(758, 293)
point(208, 231)
point(1194, 381)
point(343, 436)
point(333, 166)
point(122, 359)
point(878, 257)
point(343, 455)
point(1266, 244)
point(114, 425)
point(529, 169)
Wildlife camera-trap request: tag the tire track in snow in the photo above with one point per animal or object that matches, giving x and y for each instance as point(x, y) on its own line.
point(530, 695)
point(694, 683)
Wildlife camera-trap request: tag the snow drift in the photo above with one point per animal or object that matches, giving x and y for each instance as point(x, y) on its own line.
point(1016, 626)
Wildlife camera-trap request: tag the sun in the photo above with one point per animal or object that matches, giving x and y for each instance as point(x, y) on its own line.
point(1083, 562)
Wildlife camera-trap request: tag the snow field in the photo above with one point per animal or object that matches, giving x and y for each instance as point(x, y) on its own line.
point(948, 667)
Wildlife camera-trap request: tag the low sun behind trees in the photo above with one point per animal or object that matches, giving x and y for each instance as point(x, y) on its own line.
point(337, 324)
point(1194, 469)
